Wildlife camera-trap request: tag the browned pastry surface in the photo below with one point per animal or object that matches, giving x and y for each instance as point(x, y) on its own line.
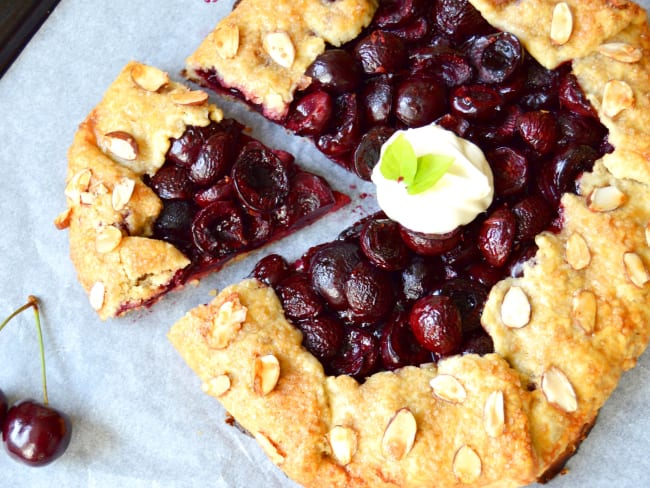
point(110, 211)
point(563, 333)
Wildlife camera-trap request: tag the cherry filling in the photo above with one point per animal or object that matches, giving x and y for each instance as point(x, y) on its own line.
point(225, 193)
point(381, 296)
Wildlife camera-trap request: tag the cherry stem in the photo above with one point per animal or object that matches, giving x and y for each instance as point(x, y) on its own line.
point(32, 302)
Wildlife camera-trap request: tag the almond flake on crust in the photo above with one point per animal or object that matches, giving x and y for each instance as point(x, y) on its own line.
point(108, 239)
point(280, 48)
point(558, 390)
point(217, 386)
point(266, 372)
point(78, 184)
point(122, 192)
point(617, 96)
point(621, 51)
point(577, 252)
point(149, 78)
point(270, 448)
point(494, 414)
point(515, 308)
point(343, 441)
point(122, 145)
point(606, 199)
point(226, 323)
point(191, 97)
point(635, 269)
point(561, 24)
point(96, 295)
point(584, 309)
point(399, 435)
point(467, 465)
point(226, 38)
point(448, 388)
point(62, 221)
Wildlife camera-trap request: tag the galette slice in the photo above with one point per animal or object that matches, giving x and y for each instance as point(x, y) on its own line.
point(161, 189)
point(372, 340)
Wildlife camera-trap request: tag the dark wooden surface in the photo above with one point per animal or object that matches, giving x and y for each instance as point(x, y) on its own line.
point(19, 20)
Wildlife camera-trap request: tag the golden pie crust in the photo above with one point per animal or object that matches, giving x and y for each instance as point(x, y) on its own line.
point(110, 211)
point(563, 333)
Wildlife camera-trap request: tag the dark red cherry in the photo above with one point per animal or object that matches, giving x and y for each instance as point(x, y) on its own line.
point(221, 190)
point(532, 215)
point(522, 256)
point(258, 228)
point(430, 244)
point(456, 124)
point(368, 292)
point(442, 63)
point(35, 434)
point(417, 278)
point(175, 221)
point(271, 269)
point(380, 52)
point(576, 129)
point(395, 13)
point(171, 182)
point(382, 244)
point(377, 100)
point(436, 324)
point(419, 101)
point(346, 122)
point(322, 335)
point(573, 98)
point(538, 129)
point(309, 196)
point(299, 300)
point(477, 102)
point(185, 149)
point(510, 169)
point(311, 114)
point(495, 56)
point(329, 267)
point(458, 19)
point(366, 155)
point(398, 346)
point(559, 176)
point(469, 297)
point(335, 71)
point(4, 405)
point(260, 178)
point(219, 229)
point(416, 31)
point(478, 343)
point(358, 355)
point(496, 236)
point(214, 159)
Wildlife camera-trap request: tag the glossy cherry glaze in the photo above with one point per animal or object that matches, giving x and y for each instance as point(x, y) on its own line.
point(421, 62)
point(35, 434)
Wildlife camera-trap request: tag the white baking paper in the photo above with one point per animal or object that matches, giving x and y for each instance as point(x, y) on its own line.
point(139, 416)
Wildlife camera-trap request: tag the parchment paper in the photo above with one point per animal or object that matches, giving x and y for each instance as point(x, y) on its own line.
point(139, 416)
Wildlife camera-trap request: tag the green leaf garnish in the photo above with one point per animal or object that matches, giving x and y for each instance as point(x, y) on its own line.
point(400, 163)
point(431, 167)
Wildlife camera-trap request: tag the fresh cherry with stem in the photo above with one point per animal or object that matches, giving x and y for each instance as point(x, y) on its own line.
point(33, 432)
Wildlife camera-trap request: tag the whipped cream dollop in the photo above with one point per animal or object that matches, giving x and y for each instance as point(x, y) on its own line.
point(462, 193)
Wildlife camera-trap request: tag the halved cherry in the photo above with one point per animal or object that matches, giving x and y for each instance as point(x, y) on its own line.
point(219, 229)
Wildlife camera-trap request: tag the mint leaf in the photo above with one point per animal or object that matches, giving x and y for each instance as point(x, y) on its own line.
point(399, 161)
point(430, 168)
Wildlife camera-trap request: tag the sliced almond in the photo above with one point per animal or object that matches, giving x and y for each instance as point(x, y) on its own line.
point(647, 234)
point(190, 98)
point(399, 435)
point(226, 323)
point(266, 372)
point(122, 145)
point(448, 388)
point(343, 441)
point(122, 192)
point(79, 183)
point(577, 252)
point(558, 390)
point(467, 465)
point(86, 198)
point(561, 24)
point(617, 96)
point(226, 40)
point(621, 51)
point(108, 239)
point(606, 199)
point(280, 48)
point(217, 386)
point(494, 414)
point(62, 221)
point(149, 78)
point(96, 295)
point(585, 306)
point(635, 269)
point(271, 449)
point(515, 308)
